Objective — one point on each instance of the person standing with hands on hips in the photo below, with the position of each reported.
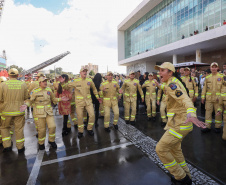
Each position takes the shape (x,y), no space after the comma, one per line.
(181,114)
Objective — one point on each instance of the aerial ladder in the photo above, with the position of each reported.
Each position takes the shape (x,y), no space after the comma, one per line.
(44,64)
(2,3)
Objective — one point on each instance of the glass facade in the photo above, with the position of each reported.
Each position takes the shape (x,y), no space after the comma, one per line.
(170,20)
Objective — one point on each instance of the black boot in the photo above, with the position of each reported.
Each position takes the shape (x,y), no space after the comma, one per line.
(163,124)
(153,118)
(64,133)
(76,127)
(41,147)
(107,129)
(90,132)
(149,118)
(116,127)
(36,135)
(53,144)
(185,181)
(8,149)
(217,130)
(132,122)
(68,130)
(205,130)
(21,150)
(127,121)
(80,135)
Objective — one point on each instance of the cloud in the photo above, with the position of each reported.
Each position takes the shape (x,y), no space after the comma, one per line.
(88,29)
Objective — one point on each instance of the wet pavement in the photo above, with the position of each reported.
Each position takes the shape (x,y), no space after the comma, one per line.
(123,157)
(205,152)
(106,158)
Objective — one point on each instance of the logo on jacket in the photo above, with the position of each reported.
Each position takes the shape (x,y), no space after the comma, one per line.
(172,86)
(178,93)
(114,85)
(88,83)
(48,92)
(135,84)
(153,84)
(219,79)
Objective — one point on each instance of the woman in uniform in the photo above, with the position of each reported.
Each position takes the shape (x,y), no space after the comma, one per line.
(181,114)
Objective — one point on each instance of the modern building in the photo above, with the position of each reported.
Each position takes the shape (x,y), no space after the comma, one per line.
(172,30)
(91,67)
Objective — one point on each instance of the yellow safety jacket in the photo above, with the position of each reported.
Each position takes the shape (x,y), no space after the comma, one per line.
(130,88)
(109,92)
(178,105)
(191,85)
(41,100)
(162,89)
(13,93)
(212,87)
(82,91)
(150,89)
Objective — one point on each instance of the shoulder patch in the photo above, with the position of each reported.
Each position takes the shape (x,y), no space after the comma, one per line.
(172,86)
(178,93)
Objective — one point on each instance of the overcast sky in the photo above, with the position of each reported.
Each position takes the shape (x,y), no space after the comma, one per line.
(33,31)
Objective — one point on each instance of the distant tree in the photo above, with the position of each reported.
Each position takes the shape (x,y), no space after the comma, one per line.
(20,69)
(91,73)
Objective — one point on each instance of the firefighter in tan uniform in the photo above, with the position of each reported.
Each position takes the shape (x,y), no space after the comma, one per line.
(129,88)
(181,113)
(222,106)
(35,84)
(13,93)
(41,98)
(108,91)
(211,94)
(163,103)
(150,98)
(191,84)
(83,100)
(2,79)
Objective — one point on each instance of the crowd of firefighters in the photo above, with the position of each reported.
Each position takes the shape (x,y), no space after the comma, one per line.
(76,97)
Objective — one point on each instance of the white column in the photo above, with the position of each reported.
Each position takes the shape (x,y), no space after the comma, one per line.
(198,55)
(174,59)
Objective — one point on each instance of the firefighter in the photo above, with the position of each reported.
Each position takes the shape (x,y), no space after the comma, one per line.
(108,91)
(181,113)
(211,94)
(129,88)
(161,92)
(41,98)
(83,100)
(222,106)
(150,97)
(3,79)
(191,84)
(13,93)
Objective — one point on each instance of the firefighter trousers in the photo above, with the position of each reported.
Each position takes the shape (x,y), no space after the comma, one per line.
(210,107)
(73,117)
(19,122)
(163,111)
(151,107)
(41,124)
(170,153)
(127,106)
(80,114)
(107,115)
